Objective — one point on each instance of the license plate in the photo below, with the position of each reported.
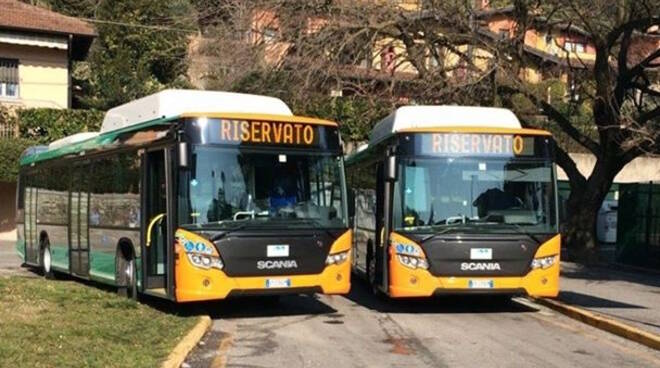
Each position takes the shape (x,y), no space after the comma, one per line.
(277,250)
(481,253)
(480,284)
(278,283)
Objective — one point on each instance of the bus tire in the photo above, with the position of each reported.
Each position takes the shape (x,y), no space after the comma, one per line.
(270,300)
(501,299)
(126,272)
(45,259)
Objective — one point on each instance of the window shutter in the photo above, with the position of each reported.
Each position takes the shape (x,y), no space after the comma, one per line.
(9,71)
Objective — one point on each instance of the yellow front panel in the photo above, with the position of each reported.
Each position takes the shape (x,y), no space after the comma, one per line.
(196,284)
(406,282)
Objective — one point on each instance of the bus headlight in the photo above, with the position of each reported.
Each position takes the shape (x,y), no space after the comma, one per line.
(337,258)
(543,263)
(413,262)
(410,255)
(205,261)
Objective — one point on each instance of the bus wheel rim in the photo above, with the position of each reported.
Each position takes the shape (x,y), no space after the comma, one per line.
(129,272)
(47,259)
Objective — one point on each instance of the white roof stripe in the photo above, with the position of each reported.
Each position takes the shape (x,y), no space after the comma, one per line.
(414,117)
(75,138)
(173,102)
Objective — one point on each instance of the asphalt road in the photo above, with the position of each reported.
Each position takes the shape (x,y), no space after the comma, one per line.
(10,263)
(361,330)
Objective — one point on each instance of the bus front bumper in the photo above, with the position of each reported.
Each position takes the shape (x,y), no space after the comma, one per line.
(405,282)
(213,284)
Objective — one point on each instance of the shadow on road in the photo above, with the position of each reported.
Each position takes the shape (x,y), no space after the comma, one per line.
(361,294)
(590,301)
(602,274)
(296,305)
(246,307)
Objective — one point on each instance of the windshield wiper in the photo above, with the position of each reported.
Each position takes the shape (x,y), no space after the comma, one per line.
(442,229)
(221,235)
(215,226)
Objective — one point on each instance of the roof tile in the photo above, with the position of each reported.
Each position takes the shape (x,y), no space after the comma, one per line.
(18,15)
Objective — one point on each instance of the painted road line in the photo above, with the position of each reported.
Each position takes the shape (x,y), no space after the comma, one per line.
(607,324)
(181,350)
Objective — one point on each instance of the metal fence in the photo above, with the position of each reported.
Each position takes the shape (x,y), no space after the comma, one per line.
(638,228)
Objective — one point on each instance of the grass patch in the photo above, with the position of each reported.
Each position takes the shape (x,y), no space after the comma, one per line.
(47,323)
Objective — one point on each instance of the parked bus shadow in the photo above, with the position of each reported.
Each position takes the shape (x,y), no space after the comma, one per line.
(362,295)
(245,307)
(590,301)
(237,307)
(603,274)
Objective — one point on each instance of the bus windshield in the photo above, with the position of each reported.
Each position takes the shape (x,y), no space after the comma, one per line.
(451,194)
(226,188)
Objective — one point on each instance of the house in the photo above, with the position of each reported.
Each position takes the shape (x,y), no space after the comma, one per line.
(559,51)
(37,47)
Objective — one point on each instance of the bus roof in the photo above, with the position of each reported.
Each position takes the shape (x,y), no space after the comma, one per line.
(172,102)
(432,118)
(166,107)
(410,118)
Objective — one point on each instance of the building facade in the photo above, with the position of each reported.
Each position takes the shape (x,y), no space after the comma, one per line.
(37,48)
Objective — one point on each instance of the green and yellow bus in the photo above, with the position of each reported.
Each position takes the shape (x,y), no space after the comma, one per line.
(452,199)
(190,196)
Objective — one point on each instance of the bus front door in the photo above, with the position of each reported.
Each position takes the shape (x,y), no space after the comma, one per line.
(157,235)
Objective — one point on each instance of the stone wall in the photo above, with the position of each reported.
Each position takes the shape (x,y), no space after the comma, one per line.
(640,170)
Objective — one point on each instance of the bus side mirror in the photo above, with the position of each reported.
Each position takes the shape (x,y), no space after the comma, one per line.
(183,155)
(390,169)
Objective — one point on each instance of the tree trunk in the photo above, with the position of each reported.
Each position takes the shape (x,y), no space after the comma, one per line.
(579,232)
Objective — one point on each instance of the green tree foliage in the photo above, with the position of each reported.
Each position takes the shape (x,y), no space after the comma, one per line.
(77,8)
(10,152)
(40,126)
(140,49)
(128,62)
(355,114)
(46,125)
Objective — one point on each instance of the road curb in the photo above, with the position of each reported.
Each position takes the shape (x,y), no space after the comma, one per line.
(601,322)
(181,350)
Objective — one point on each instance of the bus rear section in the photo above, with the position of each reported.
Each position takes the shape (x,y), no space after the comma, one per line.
(261,209)
(472,210)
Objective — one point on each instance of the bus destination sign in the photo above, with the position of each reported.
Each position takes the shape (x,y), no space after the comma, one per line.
(240,132)
(244,131)
(476,144)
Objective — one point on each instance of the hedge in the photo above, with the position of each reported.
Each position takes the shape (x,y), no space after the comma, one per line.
(10,152)
(40,126)
(46,125)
